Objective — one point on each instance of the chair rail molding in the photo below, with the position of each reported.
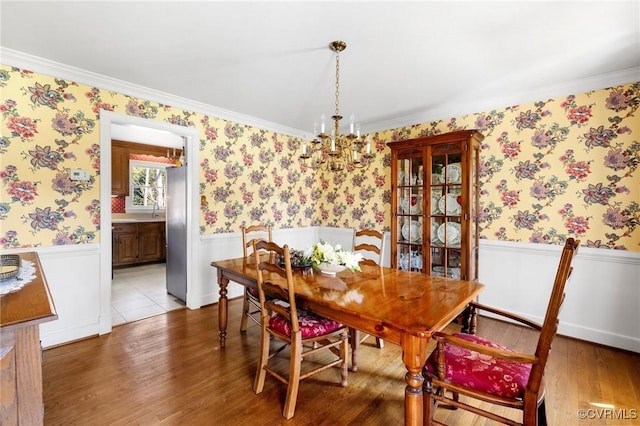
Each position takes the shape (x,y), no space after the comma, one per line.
(602,305)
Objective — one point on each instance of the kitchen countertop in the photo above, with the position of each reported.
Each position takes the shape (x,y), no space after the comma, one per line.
(157,219)
(136,218)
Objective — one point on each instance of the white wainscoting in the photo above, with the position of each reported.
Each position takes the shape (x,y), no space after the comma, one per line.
(73,276)
(602,303)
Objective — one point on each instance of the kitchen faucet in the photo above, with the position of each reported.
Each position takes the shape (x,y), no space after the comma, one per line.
(155,209)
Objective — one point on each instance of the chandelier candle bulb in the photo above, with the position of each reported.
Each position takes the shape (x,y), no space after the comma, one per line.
(352,121)
(322,123)
(304,148)
(368,144)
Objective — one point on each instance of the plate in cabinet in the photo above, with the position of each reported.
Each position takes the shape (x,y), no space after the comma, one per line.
(452,173)
(449,204)
(450,232)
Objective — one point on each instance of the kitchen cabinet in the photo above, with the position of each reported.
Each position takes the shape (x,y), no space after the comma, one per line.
(151,245)
(119,170)
(124,243)
(435,204)
(134,243)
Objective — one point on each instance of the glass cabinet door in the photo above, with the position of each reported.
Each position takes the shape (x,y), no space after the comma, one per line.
(445,230)
(409,217)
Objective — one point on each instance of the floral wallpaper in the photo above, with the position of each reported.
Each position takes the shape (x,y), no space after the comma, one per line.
(551,169)
(50,126)
(554,169)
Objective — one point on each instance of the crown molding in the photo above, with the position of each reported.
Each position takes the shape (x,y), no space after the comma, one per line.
(455,108)
(40,65)
(459,107)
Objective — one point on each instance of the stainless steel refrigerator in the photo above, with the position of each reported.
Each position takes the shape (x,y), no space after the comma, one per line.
(176,240)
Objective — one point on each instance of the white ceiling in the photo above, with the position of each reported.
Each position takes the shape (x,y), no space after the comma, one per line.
(406,62)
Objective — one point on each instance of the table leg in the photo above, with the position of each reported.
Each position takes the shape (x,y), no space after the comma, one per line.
(469,322)
(414,355)
(222,307)
(355,342)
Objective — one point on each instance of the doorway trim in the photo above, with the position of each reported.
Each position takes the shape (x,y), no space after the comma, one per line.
(190,137)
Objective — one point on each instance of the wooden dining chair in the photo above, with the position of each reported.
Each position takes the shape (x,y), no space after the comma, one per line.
(369,243)
(483,370)
(302,331)
(251,302)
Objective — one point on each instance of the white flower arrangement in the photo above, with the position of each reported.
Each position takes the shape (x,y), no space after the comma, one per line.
(326,253)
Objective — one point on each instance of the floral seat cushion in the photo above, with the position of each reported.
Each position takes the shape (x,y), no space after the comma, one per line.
(311,325)
(253,292)
(482,372)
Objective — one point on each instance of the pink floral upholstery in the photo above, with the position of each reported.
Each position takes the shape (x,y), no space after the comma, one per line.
(254,293)
(482,372)
(311,325)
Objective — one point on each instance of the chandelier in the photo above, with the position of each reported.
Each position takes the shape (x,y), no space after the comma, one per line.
(333,151)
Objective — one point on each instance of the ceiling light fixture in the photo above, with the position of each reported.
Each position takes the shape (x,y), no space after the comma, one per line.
(333,151)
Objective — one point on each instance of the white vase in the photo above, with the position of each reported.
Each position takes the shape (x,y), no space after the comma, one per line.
(328,269)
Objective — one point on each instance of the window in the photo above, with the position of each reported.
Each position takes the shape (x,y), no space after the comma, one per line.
(148,185)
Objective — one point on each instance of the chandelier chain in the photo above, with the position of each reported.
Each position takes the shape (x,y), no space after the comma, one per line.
(337,83)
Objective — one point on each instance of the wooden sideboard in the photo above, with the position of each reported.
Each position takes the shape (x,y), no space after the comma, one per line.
(21,313)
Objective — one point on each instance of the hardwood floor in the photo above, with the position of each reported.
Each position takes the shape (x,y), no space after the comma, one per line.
(170,369)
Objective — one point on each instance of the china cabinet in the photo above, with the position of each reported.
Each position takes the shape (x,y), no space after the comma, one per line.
(435,204)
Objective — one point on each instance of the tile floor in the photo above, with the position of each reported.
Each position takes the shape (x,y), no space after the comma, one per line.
(140,292)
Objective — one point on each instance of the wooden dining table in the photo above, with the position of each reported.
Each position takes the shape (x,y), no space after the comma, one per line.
(401,307)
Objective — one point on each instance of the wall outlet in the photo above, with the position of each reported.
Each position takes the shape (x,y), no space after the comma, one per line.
(77,174)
